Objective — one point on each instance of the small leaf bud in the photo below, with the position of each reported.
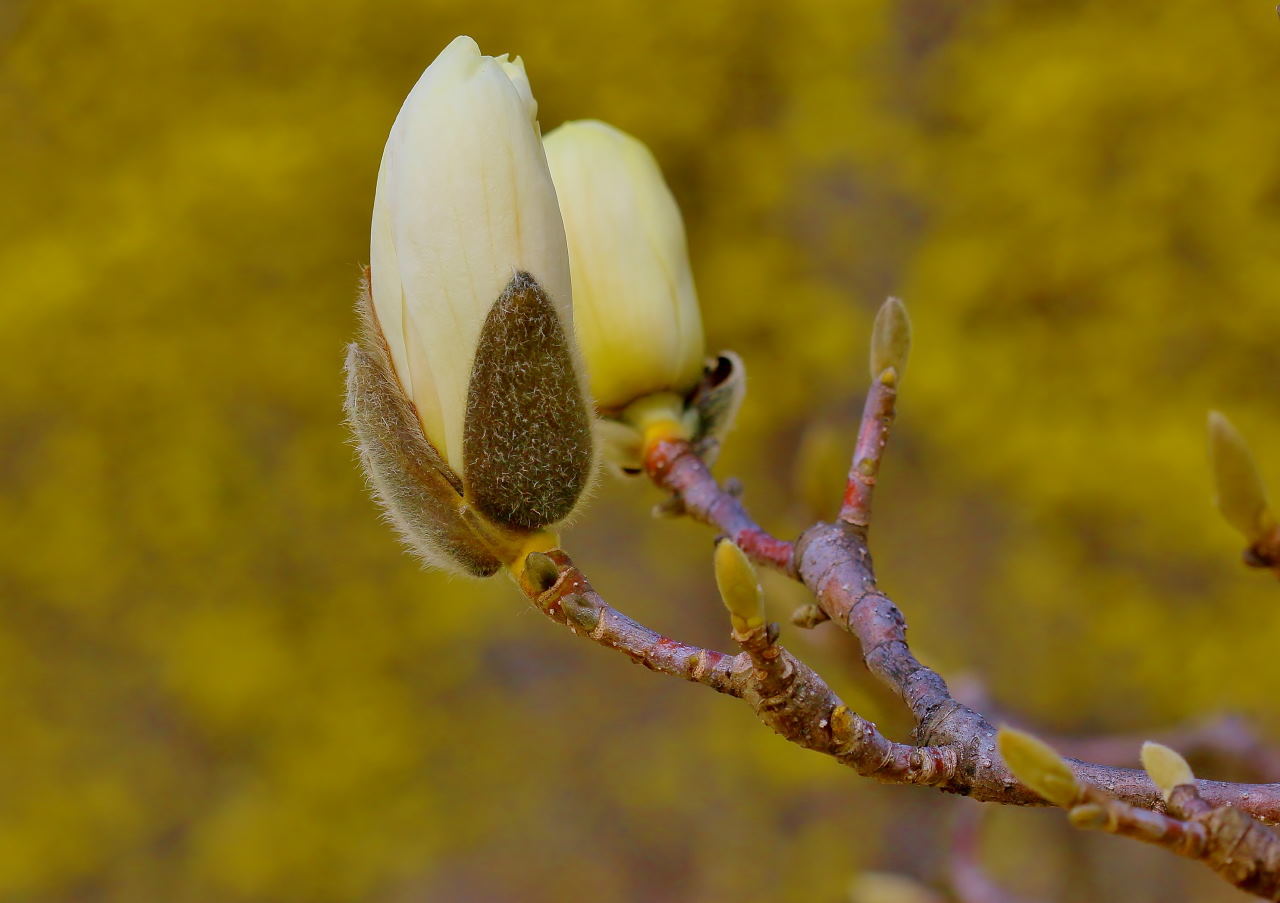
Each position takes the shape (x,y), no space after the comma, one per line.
(1034,763)
(739,587)
(1240,494)
(890,342)
(1166,767)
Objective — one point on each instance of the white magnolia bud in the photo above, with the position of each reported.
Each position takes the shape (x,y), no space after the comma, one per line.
(635,307)
(465,391)
(464,202)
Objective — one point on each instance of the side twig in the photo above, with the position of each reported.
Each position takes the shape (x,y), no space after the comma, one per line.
(675,466)
(958,749)
(1244,852)
(833,561)
(873,436)
(786,694)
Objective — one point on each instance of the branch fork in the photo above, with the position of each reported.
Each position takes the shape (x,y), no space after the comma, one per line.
(957,749)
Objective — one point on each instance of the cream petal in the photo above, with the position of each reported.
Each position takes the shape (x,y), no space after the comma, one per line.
(519,78)
(635,305)
(465,200)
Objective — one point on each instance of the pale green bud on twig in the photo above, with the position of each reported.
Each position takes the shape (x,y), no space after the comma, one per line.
(1166,767)
(1034,763)
(1240,494)
(739,587)
(465,390)
(890,342)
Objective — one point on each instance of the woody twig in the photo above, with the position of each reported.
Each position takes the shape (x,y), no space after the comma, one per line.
(833,561)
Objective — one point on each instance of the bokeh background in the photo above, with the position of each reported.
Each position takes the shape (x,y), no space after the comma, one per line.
(221,681)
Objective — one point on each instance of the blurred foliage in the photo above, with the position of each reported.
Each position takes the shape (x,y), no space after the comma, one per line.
(220,679)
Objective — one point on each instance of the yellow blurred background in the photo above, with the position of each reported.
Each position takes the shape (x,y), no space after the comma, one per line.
(221,680)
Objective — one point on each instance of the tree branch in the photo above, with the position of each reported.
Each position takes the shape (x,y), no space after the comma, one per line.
(956,747)
(675,466)
(1224,739)
(785,693)
(873,436)
(833,561)
(1244,852)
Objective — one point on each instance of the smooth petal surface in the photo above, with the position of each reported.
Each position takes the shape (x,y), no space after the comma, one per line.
(464,202)
(635,306)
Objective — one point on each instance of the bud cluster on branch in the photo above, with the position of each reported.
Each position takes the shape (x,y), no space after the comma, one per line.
(527,302)
(529,313)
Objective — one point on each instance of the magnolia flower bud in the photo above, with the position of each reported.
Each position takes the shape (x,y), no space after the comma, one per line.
(634,302)
(635,307)
(465,390)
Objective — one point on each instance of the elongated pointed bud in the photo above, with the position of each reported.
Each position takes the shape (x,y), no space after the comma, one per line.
(635,305)
(739,587)
(1034,763)
(465,389)
(890,342)
(1240,494)
(1166,768)
(634,300)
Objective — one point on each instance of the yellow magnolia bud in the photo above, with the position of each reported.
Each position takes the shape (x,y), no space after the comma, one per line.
(1166,768)
(1240,494)
(739,587)
(634,302)
(468,335)
(1034,763)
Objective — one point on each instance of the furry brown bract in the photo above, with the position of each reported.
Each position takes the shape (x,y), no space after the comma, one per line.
(421,496)
(527,435)
(528,446)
